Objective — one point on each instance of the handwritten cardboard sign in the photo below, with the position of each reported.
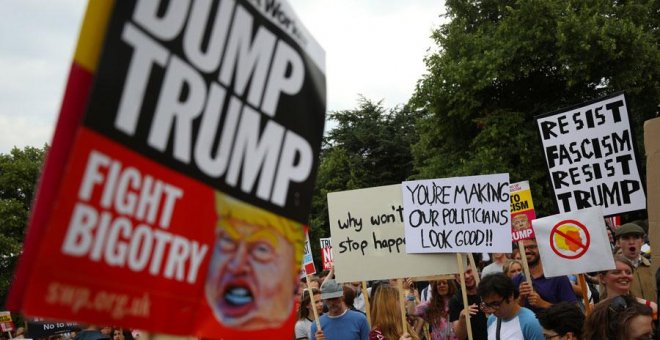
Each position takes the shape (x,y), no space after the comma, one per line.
(460,214)
(368,238)
(590,153)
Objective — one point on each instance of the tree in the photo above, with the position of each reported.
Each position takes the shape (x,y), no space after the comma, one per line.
(501,63)
(370,146)
(19,171)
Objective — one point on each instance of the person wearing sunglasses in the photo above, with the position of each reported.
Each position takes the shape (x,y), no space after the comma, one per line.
(619,318)
(507,320)
(563,321)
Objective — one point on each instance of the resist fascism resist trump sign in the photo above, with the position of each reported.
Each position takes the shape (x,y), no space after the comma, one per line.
(180,177)
(591,158)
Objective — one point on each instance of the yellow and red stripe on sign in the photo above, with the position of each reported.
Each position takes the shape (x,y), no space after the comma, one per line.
(79,83)
(521,201)
(92,32)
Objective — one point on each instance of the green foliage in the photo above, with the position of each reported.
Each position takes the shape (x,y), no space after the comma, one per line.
(503,62)
(369,147)
(19,171)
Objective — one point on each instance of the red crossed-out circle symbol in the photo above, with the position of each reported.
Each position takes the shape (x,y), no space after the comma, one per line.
(582,243)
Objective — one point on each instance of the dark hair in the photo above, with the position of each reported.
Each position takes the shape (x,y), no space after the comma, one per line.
(610,319)
(303,312)
(562,318)
(437,304)
(349,296)
(499,284)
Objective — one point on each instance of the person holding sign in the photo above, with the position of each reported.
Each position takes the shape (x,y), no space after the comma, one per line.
(339,323)
(306,314)
(254,266)
(458,313)
(507,319)
(629,238)
(545,291)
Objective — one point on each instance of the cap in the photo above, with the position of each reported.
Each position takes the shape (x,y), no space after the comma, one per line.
(331,289)
(629,228)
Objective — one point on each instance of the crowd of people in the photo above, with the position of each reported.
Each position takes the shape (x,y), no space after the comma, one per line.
(80,332)
(502,302)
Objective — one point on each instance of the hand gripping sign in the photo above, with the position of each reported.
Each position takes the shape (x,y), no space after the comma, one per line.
(181,171)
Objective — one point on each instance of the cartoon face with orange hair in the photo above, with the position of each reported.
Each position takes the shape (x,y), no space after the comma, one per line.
(253,270)
(520,222)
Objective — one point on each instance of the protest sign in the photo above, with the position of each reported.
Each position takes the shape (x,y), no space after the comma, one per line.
(590,153)
(573,242)
(184,156)
(326,253)
(6,323)
(44,329)
(369,244)
(308,260)
(460,214)
(522,212)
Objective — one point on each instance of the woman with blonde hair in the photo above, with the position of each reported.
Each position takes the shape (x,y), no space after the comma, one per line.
(386,321)
(512,267)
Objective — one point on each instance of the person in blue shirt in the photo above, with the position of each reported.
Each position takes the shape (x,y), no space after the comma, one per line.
(507,319)
(544,292)
(339,323)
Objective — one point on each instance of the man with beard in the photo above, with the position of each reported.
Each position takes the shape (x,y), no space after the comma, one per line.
(339,323)
(629,238)
(254,266)
(458,313)
(544,291)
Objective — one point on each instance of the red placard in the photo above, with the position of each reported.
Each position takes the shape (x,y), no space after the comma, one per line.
(181,172)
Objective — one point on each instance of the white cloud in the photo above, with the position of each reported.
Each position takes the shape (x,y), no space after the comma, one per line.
(373,47)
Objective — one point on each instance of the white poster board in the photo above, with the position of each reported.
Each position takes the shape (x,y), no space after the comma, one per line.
(589,151)
(459,214)
(368,238)
(573,242)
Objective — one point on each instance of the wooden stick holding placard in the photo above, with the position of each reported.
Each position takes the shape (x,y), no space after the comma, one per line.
(402,304)
(523,259)
(461,272)
(367,307)
(313,303)
(474,269)
(585,293)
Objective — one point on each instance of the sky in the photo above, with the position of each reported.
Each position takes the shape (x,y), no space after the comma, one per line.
(374,48)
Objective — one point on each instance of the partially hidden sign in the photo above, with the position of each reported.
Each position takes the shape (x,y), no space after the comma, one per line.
(308,261)
(590,153)
(368,238)
(459,214)
(522,212)
(181,172)
(573,242)
(326,253)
